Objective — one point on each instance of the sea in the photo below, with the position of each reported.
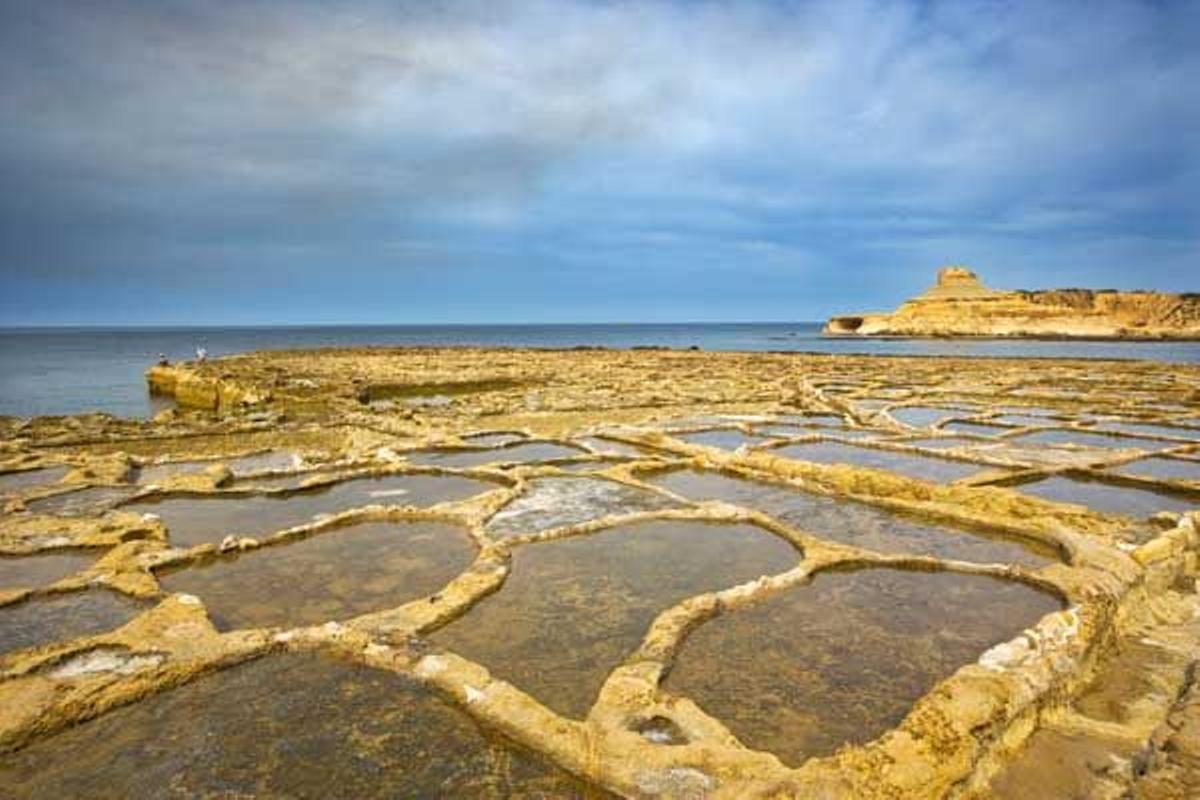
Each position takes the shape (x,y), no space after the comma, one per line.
(47,371)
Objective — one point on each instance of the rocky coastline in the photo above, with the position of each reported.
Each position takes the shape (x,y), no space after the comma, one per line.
(988,477)
(959,305)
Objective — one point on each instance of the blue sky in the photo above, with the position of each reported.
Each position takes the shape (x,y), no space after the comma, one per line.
(172,162)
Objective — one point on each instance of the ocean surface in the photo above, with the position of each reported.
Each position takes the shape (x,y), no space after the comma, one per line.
(74,370)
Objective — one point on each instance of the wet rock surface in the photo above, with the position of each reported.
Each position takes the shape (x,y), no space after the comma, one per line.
(288,725)
(974,428)
(922,417)
(1089,439)
(117,660)
(193,520)
(288,480)
(499,439)
(785,677)
(726,440)
(1174,770)
(609,447)
(572,610)
(608,587)
(1109,498)
(15,482)
(1072,766)
(1026,419)
(1135,428)
(332,575)
(518,454)
(40,569)
(556,502)
(854,523)
(939,442)
(82,502)
(1174,469)
(920,467)
(270,461)
(57,618)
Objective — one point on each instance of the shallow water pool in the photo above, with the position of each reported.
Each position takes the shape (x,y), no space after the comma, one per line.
(330,576)
(572,610)
(199,519)
(842,659)
(288,725)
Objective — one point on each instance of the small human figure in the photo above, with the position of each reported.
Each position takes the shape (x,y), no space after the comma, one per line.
(201,354)
(162,360)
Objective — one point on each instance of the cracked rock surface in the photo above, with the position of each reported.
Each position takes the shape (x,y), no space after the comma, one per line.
(531,573)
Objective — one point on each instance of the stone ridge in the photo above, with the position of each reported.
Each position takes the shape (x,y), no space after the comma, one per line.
(960,305)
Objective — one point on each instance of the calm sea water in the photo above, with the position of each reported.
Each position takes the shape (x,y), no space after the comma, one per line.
(72,370)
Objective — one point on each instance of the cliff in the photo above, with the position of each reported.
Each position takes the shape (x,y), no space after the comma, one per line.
(960,305)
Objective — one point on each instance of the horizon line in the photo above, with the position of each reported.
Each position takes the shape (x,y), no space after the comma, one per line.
(268,325)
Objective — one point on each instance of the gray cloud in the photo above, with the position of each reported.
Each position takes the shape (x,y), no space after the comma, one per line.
(159,137)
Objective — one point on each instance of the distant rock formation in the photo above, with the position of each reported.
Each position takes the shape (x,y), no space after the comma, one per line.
(960,305)
(957,282)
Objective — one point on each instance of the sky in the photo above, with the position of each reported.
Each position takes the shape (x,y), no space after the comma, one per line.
(268,162)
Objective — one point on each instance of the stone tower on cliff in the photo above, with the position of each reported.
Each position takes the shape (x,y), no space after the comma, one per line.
(957,281)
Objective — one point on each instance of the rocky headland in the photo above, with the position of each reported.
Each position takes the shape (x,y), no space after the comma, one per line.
(960,305)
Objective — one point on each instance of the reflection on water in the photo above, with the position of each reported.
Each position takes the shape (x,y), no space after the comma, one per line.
(1108,498)
(516,454)
(842,659)
(57,618)
(196,520)
(977,428)
(554,502)
(287,480)
(290,725)
(269,461)
(155,473)
(28,572)
(846,433)
(808,420)
(14,482)
(592,466)
(786,431)
(940,442)
(1163,468)
(723,439)
(1088,439)
(572,610)
(853,523)
(333,575)
(82,502)
(1026,419)
(493,439)
(1191,434)
(610,447)
(921,416)
(927,469)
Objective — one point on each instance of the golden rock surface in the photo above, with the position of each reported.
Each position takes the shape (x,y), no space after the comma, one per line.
(960,305)
(995,725)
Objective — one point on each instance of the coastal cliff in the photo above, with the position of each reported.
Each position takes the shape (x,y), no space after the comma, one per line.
(960,305)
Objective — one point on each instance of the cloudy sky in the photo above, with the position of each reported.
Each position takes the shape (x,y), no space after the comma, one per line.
(266,162)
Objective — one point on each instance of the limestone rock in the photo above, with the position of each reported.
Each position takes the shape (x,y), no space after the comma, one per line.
(960,305)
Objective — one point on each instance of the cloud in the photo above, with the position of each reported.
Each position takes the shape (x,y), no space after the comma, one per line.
(155,141)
